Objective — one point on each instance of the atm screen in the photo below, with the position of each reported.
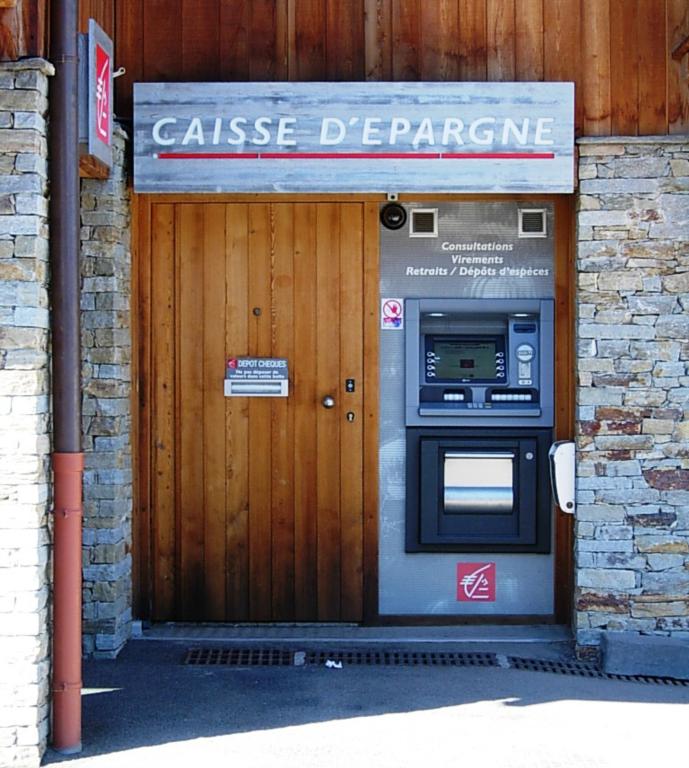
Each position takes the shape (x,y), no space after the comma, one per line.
(463,358)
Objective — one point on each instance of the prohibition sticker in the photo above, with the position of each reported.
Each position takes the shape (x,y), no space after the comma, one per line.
(392,314)
(476,582)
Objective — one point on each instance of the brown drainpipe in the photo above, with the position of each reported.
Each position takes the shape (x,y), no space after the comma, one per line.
(68,460)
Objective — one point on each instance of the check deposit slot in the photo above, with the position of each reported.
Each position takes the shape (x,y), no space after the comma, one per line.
(473,362)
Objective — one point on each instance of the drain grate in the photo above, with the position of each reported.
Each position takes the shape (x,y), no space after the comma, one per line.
(239,657)
(578,669)
(572,668)
(403,658)
(277,657)
(259,657)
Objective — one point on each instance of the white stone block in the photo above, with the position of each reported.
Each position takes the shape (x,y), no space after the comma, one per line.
(600,578)
(32,317)
(21,225)
(602,218)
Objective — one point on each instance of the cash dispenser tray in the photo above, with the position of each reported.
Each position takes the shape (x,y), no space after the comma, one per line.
(481,491)
(478,482)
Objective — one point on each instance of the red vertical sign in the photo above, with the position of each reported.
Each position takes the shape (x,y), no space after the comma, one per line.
(476,582)
(103,103)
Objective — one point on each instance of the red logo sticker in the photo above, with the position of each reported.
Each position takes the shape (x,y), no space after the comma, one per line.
(102,95)
(476,582)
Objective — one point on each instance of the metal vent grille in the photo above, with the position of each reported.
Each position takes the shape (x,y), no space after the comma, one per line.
(276,657)
(424,222)
(577,669)
(239,657)
(532,222)
(403,658)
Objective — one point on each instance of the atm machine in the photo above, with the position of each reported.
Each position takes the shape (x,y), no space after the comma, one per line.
(479,418)
(467,410)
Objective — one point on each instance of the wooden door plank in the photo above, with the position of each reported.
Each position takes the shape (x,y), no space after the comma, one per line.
(130,50)
(282,481)
(266,49)
(309,46)
(500,39)
(260,437)
(142,552)
(84,12)
(162,39)
(378,39)
(345,36)
(200,40)
(439,54)
(190,433)
(406,40)
(213,313)
(237,413)
(624,67)
(305,399)
(351,441)
(595,94)
(328,420)
(562,46)
(678,100)
(473,59)
(371,285)
(234,39)
(102,11)
(651,31)
(163,397)
(529,64)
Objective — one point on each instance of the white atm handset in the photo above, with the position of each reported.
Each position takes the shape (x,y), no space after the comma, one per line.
(563,474)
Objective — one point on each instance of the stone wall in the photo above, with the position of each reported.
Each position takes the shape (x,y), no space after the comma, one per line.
(106,356)
(632,526)
(24,413)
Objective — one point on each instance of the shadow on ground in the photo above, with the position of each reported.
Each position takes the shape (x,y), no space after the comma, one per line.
(147,697)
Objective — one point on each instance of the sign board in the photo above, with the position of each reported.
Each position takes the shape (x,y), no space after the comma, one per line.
(95,95)
(476,582)
(479,253)
(256,377)
(392,314)
(354,137)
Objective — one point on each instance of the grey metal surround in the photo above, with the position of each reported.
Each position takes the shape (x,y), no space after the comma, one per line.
(480,240)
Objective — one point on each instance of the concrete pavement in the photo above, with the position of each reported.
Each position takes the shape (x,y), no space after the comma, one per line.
(147,709)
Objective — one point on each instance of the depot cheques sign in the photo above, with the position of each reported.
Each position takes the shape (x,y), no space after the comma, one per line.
(353,137)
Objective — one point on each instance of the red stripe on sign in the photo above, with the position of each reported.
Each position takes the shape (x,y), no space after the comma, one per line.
(208,156)
(356,155)
(498,155)
(351,155)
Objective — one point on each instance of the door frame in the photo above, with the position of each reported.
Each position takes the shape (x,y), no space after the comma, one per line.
(141,385)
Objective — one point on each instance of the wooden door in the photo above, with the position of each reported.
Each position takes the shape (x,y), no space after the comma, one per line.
(255,507)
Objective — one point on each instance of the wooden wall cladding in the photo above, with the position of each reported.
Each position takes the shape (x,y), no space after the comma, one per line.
(617,51)
(22,29)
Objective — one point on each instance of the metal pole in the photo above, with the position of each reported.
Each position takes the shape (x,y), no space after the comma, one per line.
(68,459)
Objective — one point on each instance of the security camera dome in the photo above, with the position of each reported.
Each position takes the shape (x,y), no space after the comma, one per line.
(393,216)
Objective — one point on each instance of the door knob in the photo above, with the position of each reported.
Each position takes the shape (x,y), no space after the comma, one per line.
(328,401)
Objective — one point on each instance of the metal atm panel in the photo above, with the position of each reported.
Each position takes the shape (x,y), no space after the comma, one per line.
(478,490)
(472,362)
(420,579)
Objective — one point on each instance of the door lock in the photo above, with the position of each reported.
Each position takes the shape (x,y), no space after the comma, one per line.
(328,401)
